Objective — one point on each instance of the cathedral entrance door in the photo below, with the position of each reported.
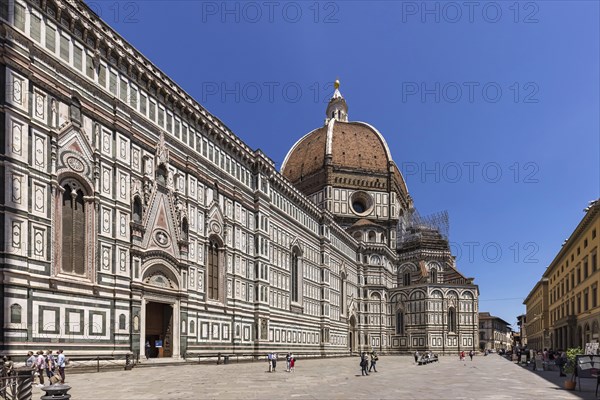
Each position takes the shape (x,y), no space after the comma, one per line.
(352,334)
(159,330)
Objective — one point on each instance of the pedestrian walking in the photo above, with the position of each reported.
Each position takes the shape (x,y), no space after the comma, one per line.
(270,359)
(50,365)
(274,361)
(364,364)
(562,361)
(292,363)
(416,357)
(31,359)
(471,354)
(41,367)
(462,355)
(147,349)
(374,359)
(61,362)
(288,362)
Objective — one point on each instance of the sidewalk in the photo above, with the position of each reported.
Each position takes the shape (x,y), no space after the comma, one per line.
(585,391)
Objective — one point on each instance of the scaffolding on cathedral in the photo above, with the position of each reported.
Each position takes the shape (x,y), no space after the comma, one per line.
(413,227)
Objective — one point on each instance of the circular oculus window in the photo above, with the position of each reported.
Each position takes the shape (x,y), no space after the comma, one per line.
(361,203)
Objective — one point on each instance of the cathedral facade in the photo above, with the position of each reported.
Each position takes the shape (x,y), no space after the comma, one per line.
(134,220)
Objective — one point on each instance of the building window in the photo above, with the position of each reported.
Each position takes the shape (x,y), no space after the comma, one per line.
(406,279)
(161,175)
(294,277)
(594,262)
(451,320)
(594,296)
(185,229)
(137,209)
(122,321)
(15,314)
(73,230)
(192,327)
(433,275)
(400,323)
(213,270)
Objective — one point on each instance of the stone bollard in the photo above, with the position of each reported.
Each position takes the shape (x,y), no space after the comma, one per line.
(24,383)
(56,392)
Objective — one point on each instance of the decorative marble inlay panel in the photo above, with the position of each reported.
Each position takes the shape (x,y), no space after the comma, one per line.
(39,151)
(192,214)
(39,198)
(123,186)
(192,247)
(123,148)
(122,259)
(17,138)
(19,89)
(200,228)
(16,234)
(39,242)
(192,187)
(39,105)
(106,141)
(106,221)
(106,257)
(16,188)
(201,281)
(135,159)
(106,180)
(123,225)
(201,194)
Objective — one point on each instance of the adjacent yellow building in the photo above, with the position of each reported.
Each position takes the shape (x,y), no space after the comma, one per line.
(537,322)
(572,284)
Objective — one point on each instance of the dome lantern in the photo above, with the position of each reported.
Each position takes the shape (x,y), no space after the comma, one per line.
(337,108)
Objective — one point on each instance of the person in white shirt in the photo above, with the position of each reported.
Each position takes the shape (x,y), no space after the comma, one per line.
(41,366)
(60,363)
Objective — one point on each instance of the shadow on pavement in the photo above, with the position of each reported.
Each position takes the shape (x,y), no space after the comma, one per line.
(585,391)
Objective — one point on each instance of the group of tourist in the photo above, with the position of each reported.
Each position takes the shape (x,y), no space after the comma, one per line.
(462,355)
(47,364)
(290,360)
(368,360)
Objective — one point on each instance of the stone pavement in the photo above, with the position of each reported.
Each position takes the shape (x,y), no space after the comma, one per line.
(491,377)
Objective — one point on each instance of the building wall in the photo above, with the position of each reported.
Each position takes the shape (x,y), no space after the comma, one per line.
(573,279)
(85,114)
(538,324)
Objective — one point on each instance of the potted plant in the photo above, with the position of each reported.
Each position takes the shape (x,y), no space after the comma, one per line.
(570,367)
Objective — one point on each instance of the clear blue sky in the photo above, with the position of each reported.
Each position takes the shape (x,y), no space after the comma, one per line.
(501,100)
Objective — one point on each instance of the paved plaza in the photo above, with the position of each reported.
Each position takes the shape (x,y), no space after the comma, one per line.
(491,377)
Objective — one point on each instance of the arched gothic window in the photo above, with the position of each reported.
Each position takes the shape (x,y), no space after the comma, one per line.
(137,209)
(294,277)
(406,279)
(372,236)
(192,327)
(184,229)
(213,270)
(451,320)
(15,314)
(400,323)
(161,175)
(73,229)
(122,322)
(433,275)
